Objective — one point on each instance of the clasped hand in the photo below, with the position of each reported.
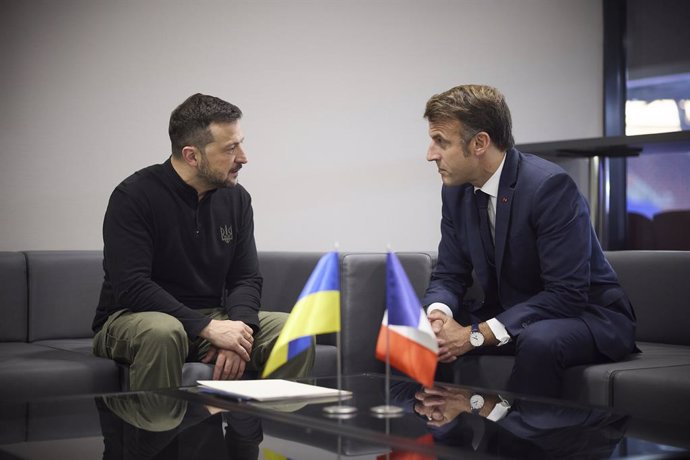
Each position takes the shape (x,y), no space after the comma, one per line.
(453,339)
(230,335)
(231,346)
(229,365)
(440,404)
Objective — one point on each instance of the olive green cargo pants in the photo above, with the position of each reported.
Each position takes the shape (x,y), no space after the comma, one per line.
(155,346)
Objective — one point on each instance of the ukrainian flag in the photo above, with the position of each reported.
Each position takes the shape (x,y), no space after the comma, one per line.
(317,311)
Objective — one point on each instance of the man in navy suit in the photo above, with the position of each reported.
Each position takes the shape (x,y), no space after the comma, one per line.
(520,223)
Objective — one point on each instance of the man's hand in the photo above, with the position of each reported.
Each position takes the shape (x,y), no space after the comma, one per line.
(441,404)
(229,365)
(453,339)
(230,335)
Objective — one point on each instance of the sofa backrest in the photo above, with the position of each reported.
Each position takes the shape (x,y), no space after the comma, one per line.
(13,304)
(63,293)
(64,287)
(363,290)
(285,274)
(658,285)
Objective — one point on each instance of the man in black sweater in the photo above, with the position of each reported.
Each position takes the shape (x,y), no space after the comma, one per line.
(182,280)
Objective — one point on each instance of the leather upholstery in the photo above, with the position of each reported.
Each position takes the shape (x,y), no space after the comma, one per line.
(45,336)
(13,297)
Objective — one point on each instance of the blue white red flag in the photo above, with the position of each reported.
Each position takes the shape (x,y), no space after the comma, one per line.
(406,329)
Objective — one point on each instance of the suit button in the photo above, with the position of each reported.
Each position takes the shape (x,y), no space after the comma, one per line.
(525,324)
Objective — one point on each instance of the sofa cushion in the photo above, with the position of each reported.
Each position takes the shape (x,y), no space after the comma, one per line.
(13,297)
(661,393)
(657,284)
(63,293)
(594,384)
(28,371)
(13,422)
(363,284)
(83,346)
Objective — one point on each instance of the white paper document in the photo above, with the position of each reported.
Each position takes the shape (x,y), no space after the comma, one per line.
(270,390)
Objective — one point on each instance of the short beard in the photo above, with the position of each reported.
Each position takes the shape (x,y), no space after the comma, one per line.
(211,177)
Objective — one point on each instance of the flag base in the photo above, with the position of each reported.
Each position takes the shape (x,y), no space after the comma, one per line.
(386,411)
(340,411)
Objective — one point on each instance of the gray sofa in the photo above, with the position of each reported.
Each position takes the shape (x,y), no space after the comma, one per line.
(654,384)
(48,299)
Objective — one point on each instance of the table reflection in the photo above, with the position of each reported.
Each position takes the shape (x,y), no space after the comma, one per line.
(155,426)
(489,423)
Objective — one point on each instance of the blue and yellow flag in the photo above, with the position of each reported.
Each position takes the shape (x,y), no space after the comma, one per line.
(317,311)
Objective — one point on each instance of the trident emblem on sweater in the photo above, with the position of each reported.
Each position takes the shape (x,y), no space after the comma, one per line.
(226,234)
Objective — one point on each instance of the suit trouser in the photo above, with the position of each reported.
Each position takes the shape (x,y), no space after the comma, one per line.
(543,350)
(155,346)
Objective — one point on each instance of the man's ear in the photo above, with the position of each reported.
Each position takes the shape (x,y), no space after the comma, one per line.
(482,141)
(190,155)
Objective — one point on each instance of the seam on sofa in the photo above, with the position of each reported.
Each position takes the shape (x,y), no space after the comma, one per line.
(28,293)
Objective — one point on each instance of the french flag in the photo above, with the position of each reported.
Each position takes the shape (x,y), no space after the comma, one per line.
(405,327)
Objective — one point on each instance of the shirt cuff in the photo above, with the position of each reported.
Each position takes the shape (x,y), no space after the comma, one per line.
(498,329)
(499,411)
(440,306)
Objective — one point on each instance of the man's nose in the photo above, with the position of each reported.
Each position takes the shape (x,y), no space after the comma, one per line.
(241,155)
(432,154)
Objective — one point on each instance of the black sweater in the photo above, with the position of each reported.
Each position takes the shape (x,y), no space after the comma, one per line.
(166,251)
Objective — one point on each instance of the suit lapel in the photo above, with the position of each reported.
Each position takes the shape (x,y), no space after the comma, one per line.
(504,203)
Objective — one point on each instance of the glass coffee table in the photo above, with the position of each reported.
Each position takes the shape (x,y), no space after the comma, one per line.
(448,421)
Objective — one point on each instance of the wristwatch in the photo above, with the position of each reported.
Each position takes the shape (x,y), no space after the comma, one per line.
(476,403)
(476,337)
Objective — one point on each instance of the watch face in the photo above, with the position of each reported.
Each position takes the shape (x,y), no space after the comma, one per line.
(476,339)
(476,402)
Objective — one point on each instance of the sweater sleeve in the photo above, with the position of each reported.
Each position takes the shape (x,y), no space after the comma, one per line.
(128,235)
(244,281)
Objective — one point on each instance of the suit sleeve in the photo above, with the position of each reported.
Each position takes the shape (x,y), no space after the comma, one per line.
(128,237)
(244,281)
(560,220)
(453,272)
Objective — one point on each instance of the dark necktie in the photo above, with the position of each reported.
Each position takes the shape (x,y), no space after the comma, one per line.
(485,227)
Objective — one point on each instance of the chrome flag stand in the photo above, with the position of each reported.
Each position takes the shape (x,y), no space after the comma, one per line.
(416,349)
(340,410)
(387,410)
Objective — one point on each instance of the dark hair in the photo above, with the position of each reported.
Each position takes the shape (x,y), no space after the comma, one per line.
(477,108)
(190,121)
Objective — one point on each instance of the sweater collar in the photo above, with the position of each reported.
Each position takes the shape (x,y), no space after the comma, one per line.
(183,189)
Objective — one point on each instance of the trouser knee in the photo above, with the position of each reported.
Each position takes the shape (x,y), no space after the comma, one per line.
(163,335)
(158,346)
(537,343)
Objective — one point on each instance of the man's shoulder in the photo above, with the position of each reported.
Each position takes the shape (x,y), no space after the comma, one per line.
(140,187)
(539,165)
(143,176)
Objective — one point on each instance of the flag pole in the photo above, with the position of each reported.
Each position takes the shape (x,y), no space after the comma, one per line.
(386,410)
(339,411)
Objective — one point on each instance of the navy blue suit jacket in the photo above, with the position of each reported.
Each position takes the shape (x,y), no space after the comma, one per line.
(549,263)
